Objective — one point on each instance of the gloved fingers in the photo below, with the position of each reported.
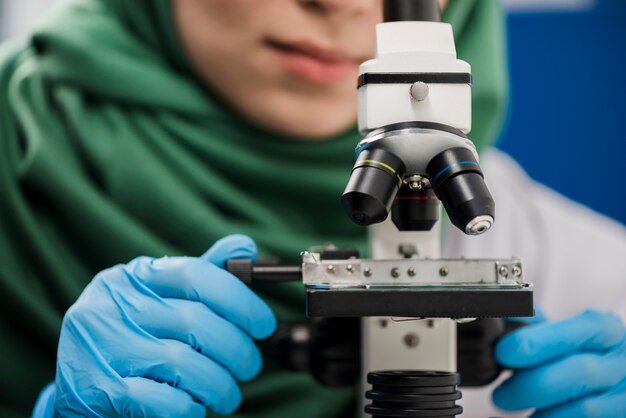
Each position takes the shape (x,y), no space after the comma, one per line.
(147,398)
(232,246)
(44,405)
(606,405)
(182,367)
(538,344)
(195,324)
(199,280)
(563,380)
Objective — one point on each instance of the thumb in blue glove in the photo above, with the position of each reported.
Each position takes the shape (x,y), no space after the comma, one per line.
(570,368)
(167,337)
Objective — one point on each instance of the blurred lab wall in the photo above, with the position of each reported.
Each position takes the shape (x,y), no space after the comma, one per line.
(568,92)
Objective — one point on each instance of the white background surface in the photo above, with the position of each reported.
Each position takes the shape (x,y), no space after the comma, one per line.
(18,16)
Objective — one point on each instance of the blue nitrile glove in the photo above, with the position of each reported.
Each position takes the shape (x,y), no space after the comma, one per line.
(574,368)
(162,337)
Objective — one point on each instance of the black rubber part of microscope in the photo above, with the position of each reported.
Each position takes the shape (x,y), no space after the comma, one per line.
(415,210)
(476,341)
(290,346)
(411,10)
(408,393)
(374,182)
(410,78)
(328,348)
(458,182)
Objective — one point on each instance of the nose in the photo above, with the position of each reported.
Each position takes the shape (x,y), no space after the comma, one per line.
(341,7)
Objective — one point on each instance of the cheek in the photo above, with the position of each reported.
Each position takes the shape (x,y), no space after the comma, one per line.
(223,40)
(225,13)
(210,22)
(220,35)
(226,20)
(208,32)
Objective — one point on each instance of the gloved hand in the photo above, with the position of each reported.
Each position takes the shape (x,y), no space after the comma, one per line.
(162,337)
(574,368)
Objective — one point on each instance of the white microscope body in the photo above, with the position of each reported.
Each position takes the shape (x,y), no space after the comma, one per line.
(411,47)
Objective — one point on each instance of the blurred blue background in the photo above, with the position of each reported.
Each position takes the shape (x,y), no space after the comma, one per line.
(568,72)
(567,60)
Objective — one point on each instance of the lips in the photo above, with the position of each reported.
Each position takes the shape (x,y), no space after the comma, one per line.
(314,62)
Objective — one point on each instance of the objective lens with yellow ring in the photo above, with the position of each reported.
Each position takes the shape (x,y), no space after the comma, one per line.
(374,182)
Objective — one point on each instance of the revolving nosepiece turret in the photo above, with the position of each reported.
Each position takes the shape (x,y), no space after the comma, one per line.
(446,163)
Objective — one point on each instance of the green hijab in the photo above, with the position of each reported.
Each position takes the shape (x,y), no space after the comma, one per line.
(110,149)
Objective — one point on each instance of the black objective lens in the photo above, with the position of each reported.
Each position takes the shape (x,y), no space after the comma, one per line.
(374,182)
(458,182)
(415,210)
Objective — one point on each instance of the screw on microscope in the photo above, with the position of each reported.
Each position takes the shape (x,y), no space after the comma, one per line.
(411,271)
(503,271)
(367,272)
(330,268)
(443,272)
(395,272)
(411,340)
(516,270)
(415,182)
(350,268)
(419,91)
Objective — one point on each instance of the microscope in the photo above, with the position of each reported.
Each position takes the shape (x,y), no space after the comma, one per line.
(391,321)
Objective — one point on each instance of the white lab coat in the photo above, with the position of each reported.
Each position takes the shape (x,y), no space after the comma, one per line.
(575,257)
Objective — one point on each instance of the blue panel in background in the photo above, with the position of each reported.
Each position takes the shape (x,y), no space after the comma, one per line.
(568,117)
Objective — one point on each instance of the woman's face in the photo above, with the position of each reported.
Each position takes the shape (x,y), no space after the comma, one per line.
(287,65)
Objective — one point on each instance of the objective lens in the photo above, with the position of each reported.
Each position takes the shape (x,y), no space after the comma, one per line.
(415,210)
(359,218)
(458,182)
(374,182)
